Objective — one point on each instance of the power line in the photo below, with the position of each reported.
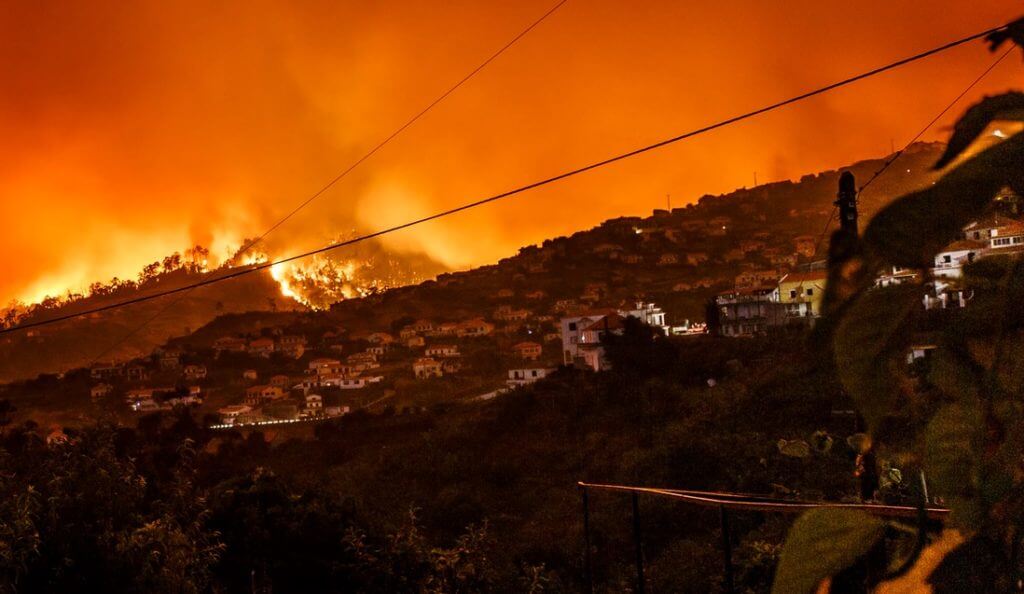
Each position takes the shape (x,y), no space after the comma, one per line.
(521,189)
(251,244)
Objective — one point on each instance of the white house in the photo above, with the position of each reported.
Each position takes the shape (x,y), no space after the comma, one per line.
(522,377)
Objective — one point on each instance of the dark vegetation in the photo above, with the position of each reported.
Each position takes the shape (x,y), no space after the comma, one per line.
(471,498)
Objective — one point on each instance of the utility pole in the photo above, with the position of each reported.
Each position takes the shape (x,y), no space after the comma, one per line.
(668,201)
(755,179)
(846,200)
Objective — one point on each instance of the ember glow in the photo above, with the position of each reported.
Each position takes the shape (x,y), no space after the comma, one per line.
(135,130)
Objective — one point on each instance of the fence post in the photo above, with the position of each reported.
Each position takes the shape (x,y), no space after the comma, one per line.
(727,550)
(638,544)
(588,569)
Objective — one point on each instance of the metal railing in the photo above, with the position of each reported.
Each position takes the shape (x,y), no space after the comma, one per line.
(726,502)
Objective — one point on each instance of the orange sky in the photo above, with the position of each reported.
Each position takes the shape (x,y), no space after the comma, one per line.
(129,130)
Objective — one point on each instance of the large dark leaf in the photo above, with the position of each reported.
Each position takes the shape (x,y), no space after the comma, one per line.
(978,565)
(1012,32)
(870,343)
(911,230)
(821,543)
(1008,106)
(952,446)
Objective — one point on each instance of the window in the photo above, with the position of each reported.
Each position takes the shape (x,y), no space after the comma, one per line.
(947,258)
(572,326)
(810,292)
(792,294)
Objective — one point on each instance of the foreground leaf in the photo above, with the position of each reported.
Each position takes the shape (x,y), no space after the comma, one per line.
(1008,106)
(869,344)
(951,442)
(821,543)
(911,230)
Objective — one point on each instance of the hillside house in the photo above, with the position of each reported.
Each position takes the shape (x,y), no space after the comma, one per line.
(106,371)
(292,345)
(426,368)
(505,294)
(442,351)
(950,261)
(261,347)
(451,366)
(354,383)
(564,305)
(170,360)
(323,365)
(802,293)
(805,245)
(696,258)
(647,312)
(523,377)
(571,333)
(280,381)
(379,338)
(445,329)
(734,255)
(423,326)
(231,413)
(314,404)
(751,245)
(101,390)
(756,278)
(137,372)
(474,328)
(632,258)
(1007,235)
(988,227)
(535,295)
(378,350)
(256,395)
(529,351)
(591,350)
(506,313)
(250,375)
(749,312)
(194,372)
(668,259)
(407,333)
(552,337)
(232,344)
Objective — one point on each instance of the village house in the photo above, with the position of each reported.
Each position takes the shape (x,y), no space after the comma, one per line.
(734,255)
(647,312)
(950,261)
(230,414)
(989,226)
(523,377)
(106,371)
(256,395)
(802,293)
(474,328)
(806,245)
(668,259)
(292,345)
(423,326)
(445,329)
(323,365)
(696,258)
(101,390)
(407,333)
(356,383)
(336,411)
(535,295)
(505,294)
(280,381)
(194,372)
(229,343)
(250,375)
(313,404)
(564,305)
(137,372)
(442,351)
(751,245)
(415,341)
(170,360)
(529,351)
(681,286)
(450,366)
(261,347)
(426,368)
(552,336)
(379,338)
(378,350)
(756,278)
(749,312)
(632,258)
